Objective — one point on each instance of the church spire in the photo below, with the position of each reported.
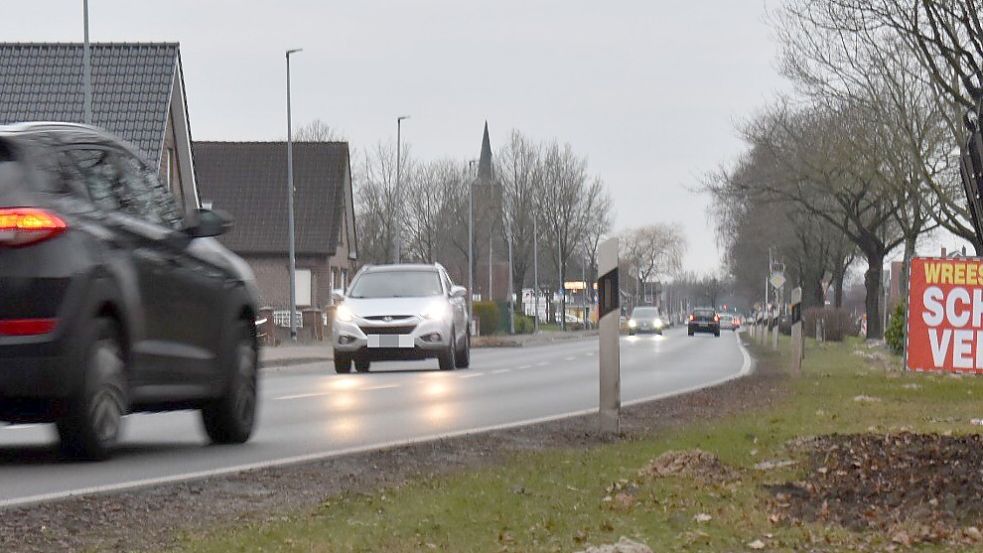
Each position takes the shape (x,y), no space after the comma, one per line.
(486,173)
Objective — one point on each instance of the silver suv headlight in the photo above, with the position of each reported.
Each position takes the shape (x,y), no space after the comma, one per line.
(344,314)
(437,311)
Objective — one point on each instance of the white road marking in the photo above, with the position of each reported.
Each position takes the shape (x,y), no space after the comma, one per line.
(21,426)
(542,364)
(472,375)
(589,354)
(525,367)
(501,371)
(571,358)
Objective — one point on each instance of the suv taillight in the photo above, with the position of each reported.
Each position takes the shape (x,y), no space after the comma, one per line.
(22,226)
(692,317)
(716,318)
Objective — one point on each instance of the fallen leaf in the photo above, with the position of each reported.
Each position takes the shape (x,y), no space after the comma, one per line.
(756,544)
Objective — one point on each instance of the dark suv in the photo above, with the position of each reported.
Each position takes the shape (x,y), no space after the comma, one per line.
(704,319)
(112,301)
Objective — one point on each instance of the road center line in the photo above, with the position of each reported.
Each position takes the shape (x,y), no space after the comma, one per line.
(472,375)
(571,358)
(501,371)
(526,367)
(542,364)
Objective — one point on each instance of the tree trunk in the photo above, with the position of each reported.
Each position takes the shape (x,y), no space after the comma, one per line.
(909,252)
(563,297)
(839,274)
(872,282)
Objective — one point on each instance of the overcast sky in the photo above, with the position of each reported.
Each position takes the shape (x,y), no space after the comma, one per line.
(648,90)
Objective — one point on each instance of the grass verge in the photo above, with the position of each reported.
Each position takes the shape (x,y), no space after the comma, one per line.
(564,500)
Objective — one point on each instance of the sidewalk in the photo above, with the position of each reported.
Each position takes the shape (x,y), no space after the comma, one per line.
(286,355)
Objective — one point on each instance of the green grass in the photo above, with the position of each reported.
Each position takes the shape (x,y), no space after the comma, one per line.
(554,500)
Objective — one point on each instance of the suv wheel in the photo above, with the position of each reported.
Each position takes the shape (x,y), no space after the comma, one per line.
(342,363)
(91,428)
(463,356)
(362,366)
(448,357)
(230,419)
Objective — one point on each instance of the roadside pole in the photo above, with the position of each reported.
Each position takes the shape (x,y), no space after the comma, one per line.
(608,312)
(774,335)
(797,344)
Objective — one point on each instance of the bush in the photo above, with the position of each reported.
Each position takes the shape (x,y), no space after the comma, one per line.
(524,324)
(489,316)
(836,323)
(894,335)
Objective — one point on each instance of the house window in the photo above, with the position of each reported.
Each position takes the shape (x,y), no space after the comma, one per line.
(303,284)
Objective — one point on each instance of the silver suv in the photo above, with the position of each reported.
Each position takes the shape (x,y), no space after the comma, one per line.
(401,312)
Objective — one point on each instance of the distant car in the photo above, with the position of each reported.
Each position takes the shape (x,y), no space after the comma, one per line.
(645,319)
(704,319)
(112,300)
(401,312)
(729,322)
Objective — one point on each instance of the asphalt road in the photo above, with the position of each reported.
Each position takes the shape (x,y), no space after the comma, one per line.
(308,412)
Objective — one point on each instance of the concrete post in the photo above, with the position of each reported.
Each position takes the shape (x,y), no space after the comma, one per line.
(797,338)
(609,311)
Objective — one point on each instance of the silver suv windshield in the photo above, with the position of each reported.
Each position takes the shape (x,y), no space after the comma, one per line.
(645,312)
(396,284)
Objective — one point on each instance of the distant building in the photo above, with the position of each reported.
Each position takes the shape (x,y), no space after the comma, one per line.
(249,181)
(491,269)
(137,93)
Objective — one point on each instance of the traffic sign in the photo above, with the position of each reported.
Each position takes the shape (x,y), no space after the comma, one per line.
(777,279)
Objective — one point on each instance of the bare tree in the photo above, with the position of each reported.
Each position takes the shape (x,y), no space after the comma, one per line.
(518,166)
(317,131)
(379,203)
(652,251)
(562,206)
(823,160)
(596,228)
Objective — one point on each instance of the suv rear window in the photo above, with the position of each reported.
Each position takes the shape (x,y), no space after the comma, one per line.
(704,312)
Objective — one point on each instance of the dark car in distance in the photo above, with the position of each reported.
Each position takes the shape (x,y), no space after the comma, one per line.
(111,300)
(704,319)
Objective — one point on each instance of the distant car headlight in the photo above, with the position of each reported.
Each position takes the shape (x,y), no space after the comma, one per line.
(344,314)
(632,323)
(658,323)
(438,311)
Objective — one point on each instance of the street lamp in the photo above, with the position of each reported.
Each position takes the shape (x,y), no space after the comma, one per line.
(399,191)
(290,209)
(86,66)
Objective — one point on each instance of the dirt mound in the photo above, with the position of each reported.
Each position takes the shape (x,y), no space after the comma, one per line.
(694,463)
(896,483)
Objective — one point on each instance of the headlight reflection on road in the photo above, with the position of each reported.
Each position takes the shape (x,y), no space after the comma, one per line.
(342,428)
(438,414)
(342,401)
(344,383)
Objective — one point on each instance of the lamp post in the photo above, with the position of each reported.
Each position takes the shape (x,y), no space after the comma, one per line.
(399,191)
(290,209)
(470,238)
(535,272)
(86,65)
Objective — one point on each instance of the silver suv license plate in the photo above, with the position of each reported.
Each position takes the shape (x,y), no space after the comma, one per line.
(390,341)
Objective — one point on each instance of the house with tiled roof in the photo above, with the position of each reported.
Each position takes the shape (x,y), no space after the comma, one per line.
(137,93)
(249,181)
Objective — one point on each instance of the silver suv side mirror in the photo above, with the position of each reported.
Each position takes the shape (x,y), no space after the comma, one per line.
(459,292)
(338,295)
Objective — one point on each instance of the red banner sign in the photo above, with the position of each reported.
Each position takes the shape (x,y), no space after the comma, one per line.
(945,315)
